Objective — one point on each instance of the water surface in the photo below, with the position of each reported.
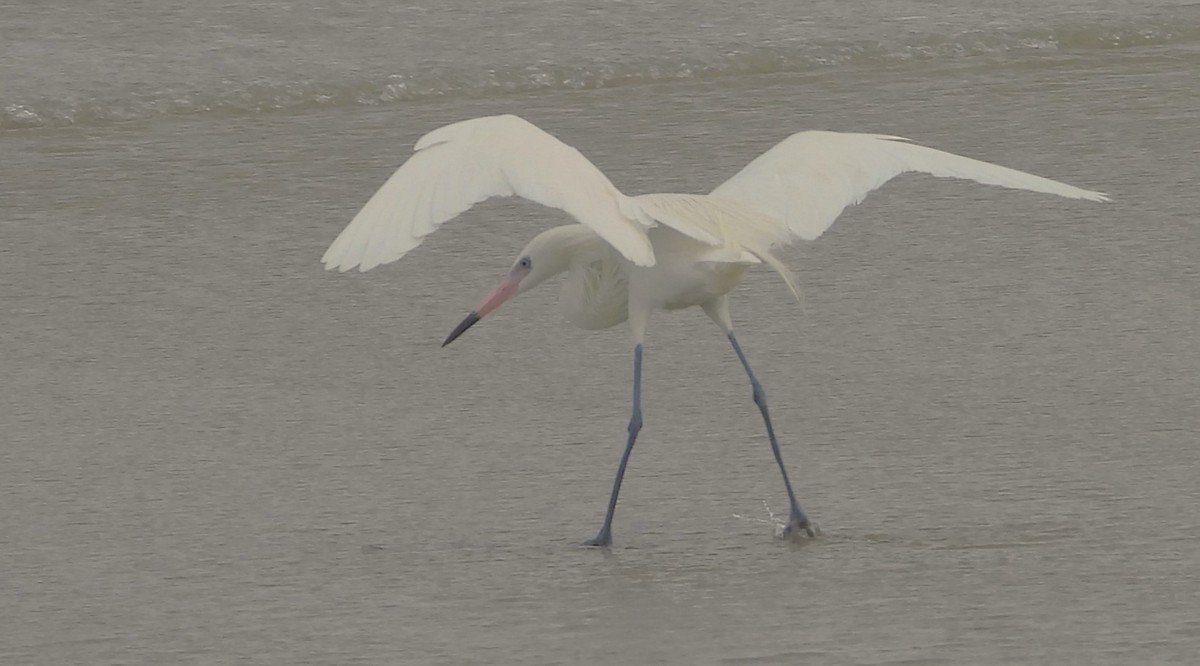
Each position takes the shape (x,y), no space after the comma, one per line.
(212,451)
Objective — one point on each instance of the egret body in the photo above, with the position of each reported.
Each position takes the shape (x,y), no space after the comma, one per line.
(630,256)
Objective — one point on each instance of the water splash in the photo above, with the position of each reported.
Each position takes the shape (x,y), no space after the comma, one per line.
(778,524)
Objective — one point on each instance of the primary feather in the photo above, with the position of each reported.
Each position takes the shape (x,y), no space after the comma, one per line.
(459,165)
(809,178)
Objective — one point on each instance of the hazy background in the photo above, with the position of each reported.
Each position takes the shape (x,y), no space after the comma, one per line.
(212,451)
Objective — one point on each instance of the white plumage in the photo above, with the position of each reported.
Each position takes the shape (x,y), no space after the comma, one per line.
(630,256)
(794,190)
(459,165)
(809,178)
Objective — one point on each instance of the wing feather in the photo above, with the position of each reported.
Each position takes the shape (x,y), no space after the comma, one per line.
(808,179)
(456,166)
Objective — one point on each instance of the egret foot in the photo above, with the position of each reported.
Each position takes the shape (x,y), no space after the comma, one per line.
(798,524)
(603,539)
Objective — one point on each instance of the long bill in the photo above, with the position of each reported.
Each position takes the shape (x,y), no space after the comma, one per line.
(504,291)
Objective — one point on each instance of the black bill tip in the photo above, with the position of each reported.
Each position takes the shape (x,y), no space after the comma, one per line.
(462,327)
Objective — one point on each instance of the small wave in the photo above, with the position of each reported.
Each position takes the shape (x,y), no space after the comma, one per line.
(273,96)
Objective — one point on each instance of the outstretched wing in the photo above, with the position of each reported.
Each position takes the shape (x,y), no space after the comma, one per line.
(456,166)
(806,180)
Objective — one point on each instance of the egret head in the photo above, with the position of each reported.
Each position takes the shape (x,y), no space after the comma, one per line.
(544,257)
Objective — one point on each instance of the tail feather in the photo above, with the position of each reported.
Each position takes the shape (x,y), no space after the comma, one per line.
(786,273)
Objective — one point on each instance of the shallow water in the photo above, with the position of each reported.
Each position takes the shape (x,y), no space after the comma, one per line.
(213,451)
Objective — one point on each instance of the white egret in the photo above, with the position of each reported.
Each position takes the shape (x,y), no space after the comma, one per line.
(630,256)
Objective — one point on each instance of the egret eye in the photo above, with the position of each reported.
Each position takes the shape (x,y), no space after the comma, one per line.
(525,262)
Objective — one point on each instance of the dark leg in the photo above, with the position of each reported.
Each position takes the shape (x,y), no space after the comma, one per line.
(797,521)
(604,537)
